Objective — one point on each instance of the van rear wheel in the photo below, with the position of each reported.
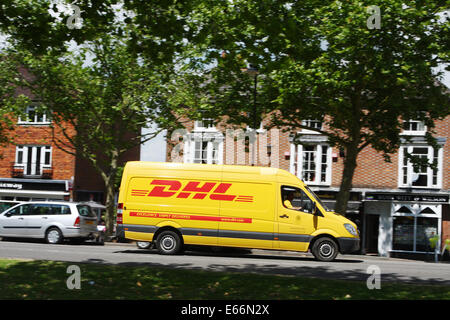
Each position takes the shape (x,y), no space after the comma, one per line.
(168,242)
(325,249)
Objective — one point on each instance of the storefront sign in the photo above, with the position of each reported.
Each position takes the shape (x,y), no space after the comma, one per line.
(15,186)
(407,197)
(43,185)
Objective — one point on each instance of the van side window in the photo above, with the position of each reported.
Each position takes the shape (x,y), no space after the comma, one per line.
(296,199)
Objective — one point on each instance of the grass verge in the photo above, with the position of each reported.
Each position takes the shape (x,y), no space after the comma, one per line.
(47,280)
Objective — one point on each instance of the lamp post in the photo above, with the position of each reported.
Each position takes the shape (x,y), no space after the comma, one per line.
(253,71)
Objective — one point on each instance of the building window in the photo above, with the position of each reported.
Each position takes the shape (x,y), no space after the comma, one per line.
(423,176)
(204,148)
(414,127)
(414,226)
(34,117)
(206,124)
(315,124)
(33,159)
(312,163)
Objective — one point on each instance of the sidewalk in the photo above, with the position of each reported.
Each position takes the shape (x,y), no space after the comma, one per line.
(298,254)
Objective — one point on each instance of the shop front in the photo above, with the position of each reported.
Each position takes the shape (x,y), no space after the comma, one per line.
(13,191)
(401,225)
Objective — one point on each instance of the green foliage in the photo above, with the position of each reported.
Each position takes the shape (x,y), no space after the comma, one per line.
(316,60)
(319,60)
(25,279)
(433,241)
(11,101)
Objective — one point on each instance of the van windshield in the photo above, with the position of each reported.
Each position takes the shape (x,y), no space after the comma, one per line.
(316,197)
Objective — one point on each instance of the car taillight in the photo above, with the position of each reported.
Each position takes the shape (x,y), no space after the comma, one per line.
(119,213)
(77,222)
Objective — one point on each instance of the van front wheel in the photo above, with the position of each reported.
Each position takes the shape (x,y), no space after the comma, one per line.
(168,242)
(325,249)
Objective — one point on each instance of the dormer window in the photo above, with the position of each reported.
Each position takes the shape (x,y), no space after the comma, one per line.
(314,124)
(206,124)
(414,127)
(32,116)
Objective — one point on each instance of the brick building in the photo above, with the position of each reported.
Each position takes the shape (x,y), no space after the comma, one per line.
(34,168)
(396,208)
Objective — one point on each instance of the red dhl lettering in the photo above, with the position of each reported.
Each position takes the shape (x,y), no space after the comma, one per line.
(171,188)
(189,217)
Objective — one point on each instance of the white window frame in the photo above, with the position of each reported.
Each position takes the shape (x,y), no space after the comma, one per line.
(410,168)
(415,213)
(45,118)
(308,123)
(415,132)
(25,149)
(297,159)
(199,125)
(210,139)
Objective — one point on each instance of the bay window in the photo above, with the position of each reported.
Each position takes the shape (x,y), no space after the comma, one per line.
(420,176)
(311,163)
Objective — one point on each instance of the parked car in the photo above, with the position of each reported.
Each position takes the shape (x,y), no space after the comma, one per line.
(99,210)
(52,221)
(5,205)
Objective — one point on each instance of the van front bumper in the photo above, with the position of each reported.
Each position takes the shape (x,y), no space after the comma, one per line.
(348,245)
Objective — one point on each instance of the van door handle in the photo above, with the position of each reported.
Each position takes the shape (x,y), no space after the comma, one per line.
(20,218)
(284,216)
(44,218)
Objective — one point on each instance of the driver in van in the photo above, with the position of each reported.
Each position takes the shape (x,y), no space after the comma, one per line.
(288,202)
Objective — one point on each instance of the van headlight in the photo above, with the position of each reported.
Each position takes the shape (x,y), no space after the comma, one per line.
(351,229)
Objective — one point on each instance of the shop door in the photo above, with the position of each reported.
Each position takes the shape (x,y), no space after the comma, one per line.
(373,222)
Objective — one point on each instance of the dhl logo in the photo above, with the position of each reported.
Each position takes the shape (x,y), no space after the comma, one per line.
(173,188)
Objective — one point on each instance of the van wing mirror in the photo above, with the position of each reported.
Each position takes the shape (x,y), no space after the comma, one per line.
(8,214)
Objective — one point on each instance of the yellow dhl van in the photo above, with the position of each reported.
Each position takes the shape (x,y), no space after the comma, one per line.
(173,204)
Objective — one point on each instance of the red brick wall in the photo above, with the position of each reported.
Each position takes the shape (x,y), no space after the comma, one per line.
(63,163)
(371,172)
(443,130)
(445,224)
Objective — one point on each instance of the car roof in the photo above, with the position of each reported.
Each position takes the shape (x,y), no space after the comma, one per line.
(51,202)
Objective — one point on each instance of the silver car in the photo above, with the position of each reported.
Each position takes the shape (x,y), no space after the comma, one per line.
(52,221)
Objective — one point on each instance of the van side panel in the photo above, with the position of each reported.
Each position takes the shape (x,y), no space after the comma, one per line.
(177,198)
(248,220)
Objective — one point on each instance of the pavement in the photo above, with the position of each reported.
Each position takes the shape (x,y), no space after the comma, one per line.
(345,267)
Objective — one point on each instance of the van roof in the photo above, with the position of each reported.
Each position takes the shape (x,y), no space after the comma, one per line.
(273,174)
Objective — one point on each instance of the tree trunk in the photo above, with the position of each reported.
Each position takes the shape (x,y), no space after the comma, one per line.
(351,153)
(110,206)
(108,179)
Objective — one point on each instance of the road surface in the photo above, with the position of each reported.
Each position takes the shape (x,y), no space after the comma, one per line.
(345,267)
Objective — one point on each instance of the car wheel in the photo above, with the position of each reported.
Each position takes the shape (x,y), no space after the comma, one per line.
(143,244)
(53,236)
(325,249)
(168,242)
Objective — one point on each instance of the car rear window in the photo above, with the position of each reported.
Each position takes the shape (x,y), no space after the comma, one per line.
(85,211)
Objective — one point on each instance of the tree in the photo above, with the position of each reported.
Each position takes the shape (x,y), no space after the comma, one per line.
(101,106)
(121,79)
(321,61)
(10,99)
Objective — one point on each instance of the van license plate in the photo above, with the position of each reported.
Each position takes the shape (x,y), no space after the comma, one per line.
(89,222)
